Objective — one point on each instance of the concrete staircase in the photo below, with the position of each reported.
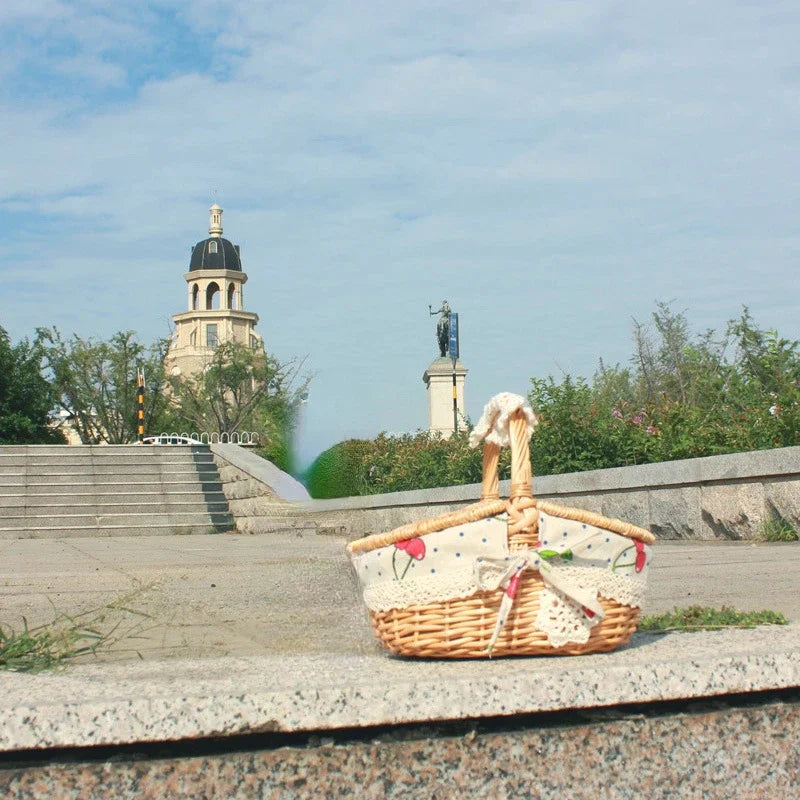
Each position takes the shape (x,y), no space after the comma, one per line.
(115,490)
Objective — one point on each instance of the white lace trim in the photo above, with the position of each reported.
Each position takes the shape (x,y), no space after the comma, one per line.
(420,591)
(565,621)
(562,620)
(383,596)
(628,590)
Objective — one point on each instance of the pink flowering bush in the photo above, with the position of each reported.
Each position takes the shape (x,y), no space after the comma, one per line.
(683,398)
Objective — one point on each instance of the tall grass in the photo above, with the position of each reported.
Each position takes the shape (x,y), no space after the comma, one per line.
(66,638)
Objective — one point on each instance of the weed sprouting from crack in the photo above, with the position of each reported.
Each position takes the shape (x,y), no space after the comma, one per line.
(67,637)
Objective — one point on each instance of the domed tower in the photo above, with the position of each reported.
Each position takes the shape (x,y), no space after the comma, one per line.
(216,314)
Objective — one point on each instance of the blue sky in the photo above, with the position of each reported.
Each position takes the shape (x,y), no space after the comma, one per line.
(552,169)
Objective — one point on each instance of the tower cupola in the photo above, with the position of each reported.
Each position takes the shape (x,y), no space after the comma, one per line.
(215,222)
(215,303)
(216,252)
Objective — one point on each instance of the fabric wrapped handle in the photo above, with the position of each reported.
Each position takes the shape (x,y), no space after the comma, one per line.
(506,420)
(521,472)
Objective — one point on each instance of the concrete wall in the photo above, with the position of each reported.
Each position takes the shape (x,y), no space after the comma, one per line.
(261,497)
(720,497)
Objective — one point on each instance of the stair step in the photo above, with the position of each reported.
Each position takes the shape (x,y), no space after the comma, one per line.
(101,451)
(73,457)
(104,469)
(164,506)
(110,520)
(93,533)
(117,498)
(129,488)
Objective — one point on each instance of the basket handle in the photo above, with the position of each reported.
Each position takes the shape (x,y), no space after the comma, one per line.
(521,473)
(490,486)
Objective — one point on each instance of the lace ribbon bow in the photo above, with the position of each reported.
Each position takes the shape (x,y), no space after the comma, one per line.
(492,573)
(493,426)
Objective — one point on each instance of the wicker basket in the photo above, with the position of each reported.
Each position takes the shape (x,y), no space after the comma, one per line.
(503,620)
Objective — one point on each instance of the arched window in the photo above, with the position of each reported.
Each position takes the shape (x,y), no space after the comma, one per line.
(212,247)
(195,294)
(232,296)
(212,296)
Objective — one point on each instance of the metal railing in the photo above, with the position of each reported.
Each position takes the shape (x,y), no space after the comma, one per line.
(243,438)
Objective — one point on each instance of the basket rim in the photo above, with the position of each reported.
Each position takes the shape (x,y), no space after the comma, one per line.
(474,512)
(485,509)
(619,526)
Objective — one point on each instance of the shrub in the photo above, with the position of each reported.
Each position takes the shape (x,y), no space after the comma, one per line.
(396,463)
(338,471)
(776,528)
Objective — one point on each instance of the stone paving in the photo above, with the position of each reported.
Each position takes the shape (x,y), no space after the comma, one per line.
(239,595)
(232,635)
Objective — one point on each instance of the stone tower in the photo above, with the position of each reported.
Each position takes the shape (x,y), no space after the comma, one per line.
(438,379)
(215,302)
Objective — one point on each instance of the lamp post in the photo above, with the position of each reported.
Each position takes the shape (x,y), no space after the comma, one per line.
(140,404)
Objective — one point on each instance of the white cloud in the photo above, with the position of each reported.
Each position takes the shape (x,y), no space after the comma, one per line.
(551,169)
(93,69)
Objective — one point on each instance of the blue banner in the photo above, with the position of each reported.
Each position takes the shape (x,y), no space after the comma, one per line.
(453,347)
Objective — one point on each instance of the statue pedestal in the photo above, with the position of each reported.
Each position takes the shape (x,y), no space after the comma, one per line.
(439,380)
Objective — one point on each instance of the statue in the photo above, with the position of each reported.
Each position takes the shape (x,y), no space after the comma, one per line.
(442,327)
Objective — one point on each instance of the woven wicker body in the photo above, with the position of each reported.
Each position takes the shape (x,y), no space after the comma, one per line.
(463,627)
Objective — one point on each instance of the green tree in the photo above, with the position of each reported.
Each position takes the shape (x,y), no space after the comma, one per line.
(767,383)
(95,382)
(26,397)
(669,363)
(242,389)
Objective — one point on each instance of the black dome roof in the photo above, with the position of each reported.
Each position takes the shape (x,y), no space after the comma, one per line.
(215,253)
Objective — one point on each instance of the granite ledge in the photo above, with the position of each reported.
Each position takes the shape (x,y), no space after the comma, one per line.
(96,704)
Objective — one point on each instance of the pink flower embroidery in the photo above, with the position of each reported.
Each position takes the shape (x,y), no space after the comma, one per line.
(641,556)
(415,548)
